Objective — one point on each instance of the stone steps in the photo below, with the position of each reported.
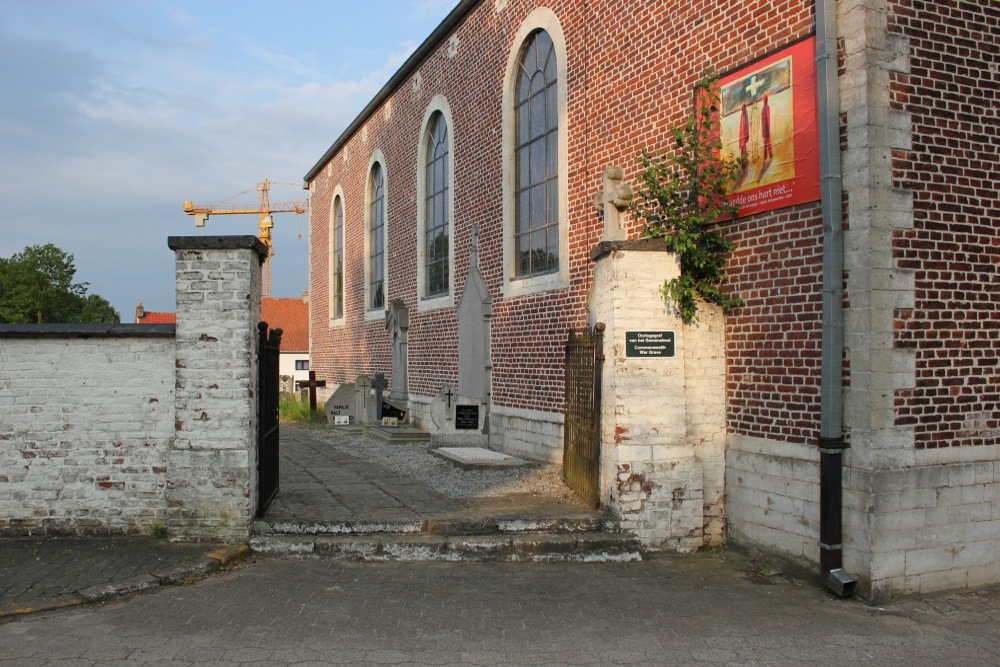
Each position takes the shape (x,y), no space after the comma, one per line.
(531,539)
(510,547)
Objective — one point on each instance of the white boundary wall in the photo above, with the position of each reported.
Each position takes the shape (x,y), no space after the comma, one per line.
(123,428)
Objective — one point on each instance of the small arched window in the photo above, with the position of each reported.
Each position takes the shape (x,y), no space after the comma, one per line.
(536,159)
(437,225)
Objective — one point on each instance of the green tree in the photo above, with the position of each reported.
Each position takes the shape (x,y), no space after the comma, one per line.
(36,286)
(681,198)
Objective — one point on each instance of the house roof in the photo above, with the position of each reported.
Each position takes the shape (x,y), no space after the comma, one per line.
(443,30)
(153,317)
(291,315)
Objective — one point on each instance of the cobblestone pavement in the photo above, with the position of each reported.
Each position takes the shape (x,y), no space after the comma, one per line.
(33,569)
(706,609)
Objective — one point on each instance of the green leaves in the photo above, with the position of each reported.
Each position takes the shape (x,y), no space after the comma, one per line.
(36,287)
(682,196)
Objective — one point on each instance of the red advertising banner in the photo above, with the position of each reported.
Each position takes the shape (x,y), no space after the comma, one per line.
(767,121)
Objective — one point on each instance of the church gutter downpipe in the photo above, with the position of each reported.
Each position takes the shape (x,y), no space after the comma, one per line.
(831,440)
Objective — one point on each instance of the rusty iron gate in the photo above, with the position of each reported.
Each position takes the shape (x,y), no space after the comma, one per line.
(267,415)
(582,419)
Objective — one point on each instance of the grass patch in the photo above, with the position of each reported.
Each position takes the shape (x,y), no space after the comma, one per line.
(291,409)
(157,531)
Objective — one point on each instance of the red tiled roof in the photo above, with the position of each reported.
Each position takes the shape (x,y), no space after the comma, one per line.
(292,317)
(152,317)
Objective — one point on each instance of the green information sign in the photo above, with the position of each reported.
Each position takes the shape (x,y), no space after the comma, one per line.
(649,344)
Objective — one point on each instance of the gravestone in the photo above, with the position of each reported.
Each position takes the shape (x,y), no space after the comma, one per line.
(341,407)
(379,384)
(383,408)
(397,322)
(363,404)
(474,312)
(459,419)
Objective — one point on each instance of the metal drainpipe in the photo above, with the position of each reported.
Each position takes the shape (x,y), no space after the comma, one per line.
(831,441)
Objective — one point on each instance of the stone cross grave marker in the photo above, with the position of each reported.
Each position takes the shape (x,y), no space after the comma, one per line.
(311,384)
(362,384)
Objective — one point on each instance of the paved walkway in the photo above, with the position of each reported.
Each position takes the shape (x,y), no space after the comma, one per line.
(321,483)
(709,609)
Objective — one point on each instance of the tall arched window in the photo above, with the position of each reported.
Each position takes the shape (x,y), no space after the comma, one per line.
(536,159)
(376,239)
(437,224)
(337,260)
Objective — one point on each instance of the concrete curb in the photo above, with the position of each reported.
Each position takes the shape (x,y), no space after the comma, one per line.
(212,562)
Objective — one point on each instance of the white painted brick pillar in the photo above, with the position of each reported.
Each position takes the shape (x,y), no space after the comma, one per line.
(663,418)
(211,467)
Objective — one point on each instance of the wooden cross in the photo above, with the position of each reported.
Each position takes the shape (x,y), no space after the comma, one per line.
(312,383)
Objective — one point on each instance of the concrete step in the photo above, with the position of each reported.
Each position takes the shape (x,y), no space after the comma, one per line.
(517,546)
(447,526)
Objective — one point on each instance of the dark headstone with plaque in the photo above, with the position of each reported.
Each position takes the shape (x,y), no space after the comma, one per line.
(466,417)
(389,410)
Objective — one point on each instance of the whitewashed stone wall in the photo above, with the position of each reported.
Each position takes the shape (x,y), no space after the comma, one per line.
(117,429)
(533,434)
(772,497)
(86,419)
(663,419)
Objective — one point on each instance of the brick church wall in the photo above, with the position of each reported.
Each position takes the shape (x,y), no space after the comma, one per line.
(630,80)
(918,88)
(927,425)
(951,92)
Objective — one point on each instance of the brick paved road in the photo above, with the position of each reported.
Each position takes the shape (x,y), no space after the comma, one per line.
(671,610)
(36,568)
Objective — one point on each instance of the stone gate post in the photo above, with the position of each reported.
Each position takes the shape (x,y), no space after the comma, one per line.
(663,403)
(211,466)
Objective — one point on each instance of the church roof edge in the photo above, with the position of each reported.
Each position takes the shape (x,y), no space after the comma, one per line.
(433,40)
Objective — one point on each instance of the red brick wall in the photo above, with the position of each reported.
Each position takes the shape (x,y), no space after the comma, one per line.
(953,169)
(631,70)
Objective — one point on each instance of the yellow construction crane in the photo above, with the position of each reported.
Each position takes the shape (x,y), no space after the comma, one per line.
(264,210)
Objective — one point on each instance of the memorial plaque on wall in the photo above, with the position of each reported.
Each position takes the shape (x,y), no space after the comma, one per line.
(649,344)
(467,417)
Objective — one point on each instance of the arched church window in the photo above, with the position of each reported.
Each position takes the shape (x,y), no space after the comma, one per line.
(376,239)
(437,225)
(337,260)
(536,137)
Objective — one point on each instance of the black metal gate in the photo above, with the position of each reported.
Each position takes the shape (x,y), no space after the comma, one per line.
(582,420)
(267,415)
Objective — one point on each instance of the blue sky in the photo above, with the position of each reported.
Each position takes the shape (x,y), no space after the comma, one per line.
(117,111)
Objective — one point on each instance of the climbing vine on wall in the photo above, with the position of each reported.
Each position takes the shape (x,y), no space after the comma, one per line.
(682,196)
